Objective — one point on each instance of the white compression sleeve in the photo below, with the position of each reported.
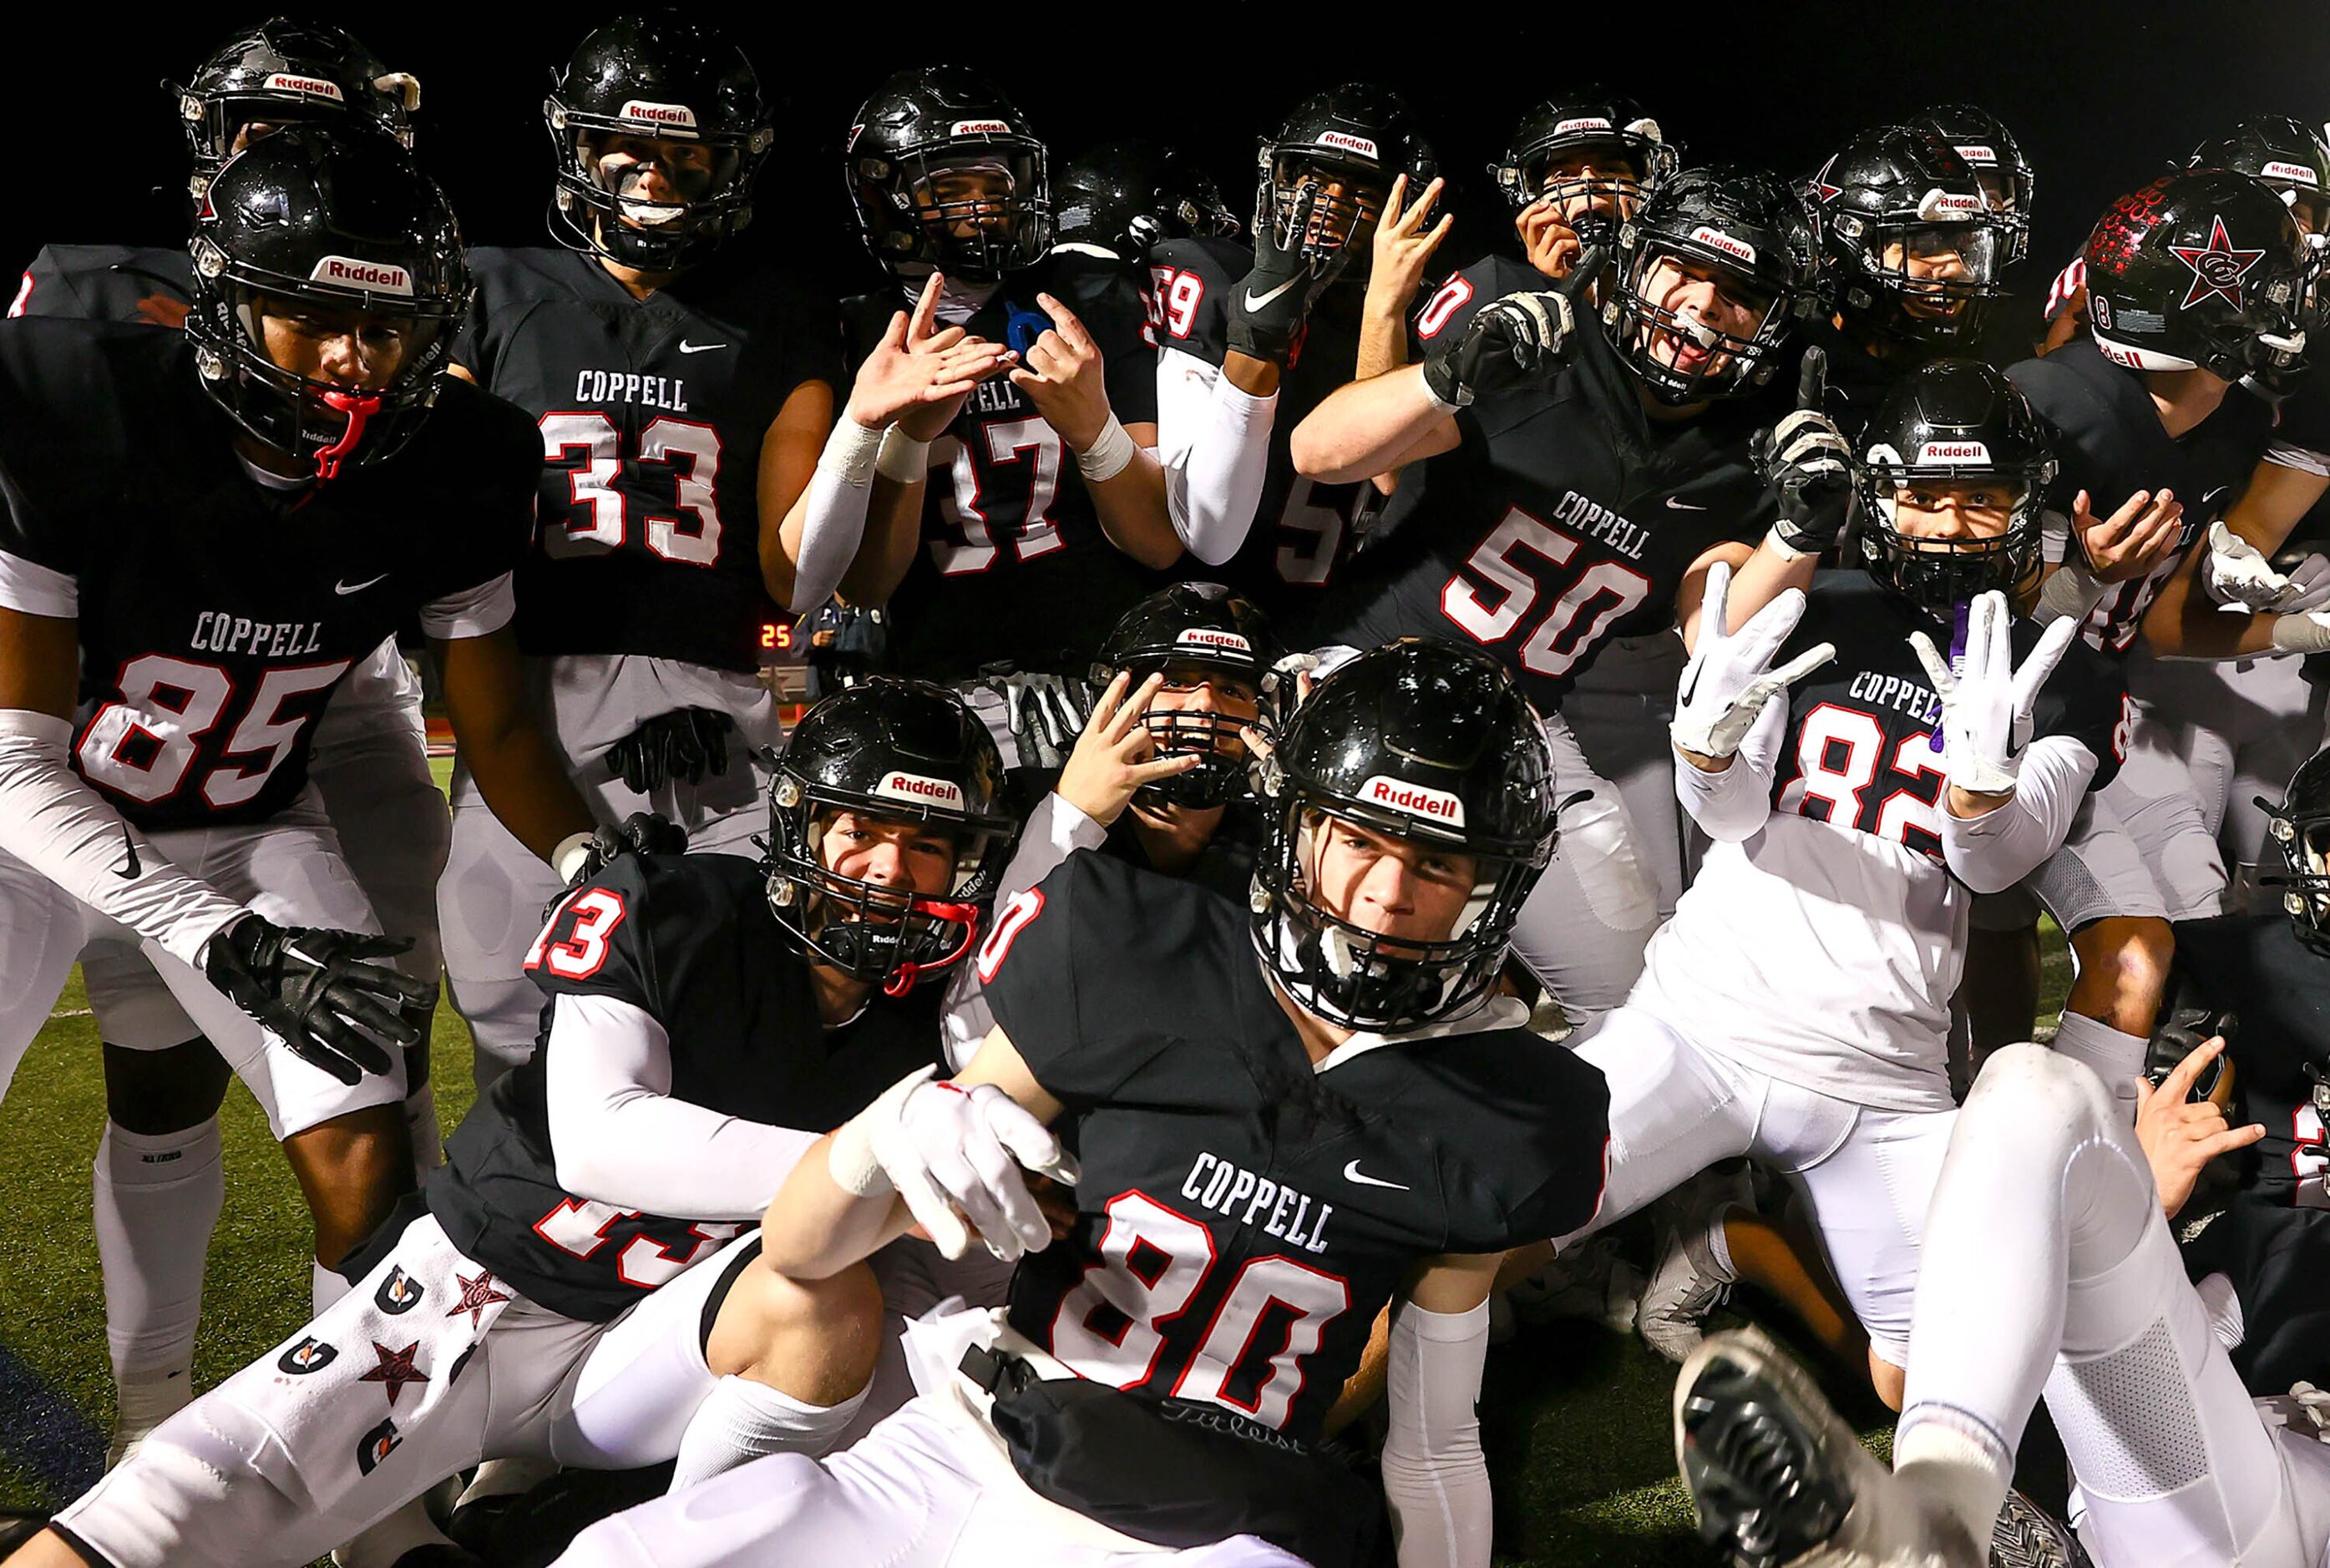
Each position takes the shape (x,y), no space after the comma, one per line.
(1732,806)
(1055,830)
(835,523)
(1212,442)
(1434,1475)
(64,829)
(1992,853)
(619,1138)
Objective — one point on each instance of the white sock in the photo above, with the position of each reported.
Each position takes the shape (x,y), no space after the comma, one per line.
(741,1420)
(1966,1475)
(2114,1057)
(324,1287)
(420,1121)
(386,1540)
(157,1200)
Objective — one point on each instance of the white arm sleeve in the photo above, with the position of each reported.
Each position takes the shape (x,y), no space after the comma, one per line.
(1212,442)
(839,488)
(1992,853)
(1434,1475)
(619,1138)
(61,827)
(1732,806)
(1055,830)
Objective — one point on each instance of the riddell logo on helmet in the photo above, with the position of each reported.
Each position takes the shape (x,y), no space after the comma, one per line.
(980,127)
(1585,122)
(670,116)
(901,785)
(371,276)
(1718,239)
(1954,452)
(1349,144)
(1415,799)
(1978,153)
(306,86)
(2277,170)
(1207,636)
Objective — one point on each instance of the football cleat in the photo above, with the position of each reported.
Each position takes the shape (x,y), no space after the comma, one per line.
(1780,1481)
(2028,1537)
(1688,1283)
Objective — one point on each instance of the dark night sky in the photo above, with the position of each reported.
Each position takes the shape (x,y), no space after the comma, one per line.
(2101,94)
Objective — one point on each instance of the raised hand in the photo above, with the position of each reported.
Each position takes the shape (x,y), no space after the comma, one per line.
(2133,540)
(1115,755)
(1063,377)
(2180,1135)
(1730,677)
(323,992)
(1404,247)
(1551,245)
(1808,464)
(1271,303)
(920,374)
(1987,705)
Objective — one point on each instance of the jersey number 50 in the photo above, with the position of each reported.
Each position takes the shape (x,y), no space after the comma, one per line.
(1600,595)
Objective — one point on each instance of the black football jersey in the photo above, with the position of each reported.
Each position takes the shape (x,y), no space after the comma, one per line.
(2279,989)
(1242,1217)
(216,615)
(141,283)
(1012,566)
(688,940)
(1861,749)
(1856,381)
(2303,418)
(1564,518)
(2113,445)
(1303,530)
(1224,866)
(652,414)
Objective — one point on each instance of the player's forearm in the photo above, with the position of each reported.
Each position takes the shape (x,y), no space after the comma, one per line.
(1732,803)
(1133,513)
(894,531)
(1367,427)
(1992,851)
(823,532)
(1769,571)
(1436,1477)
(1383,339)
(519,773)
(814,1228)
(65,830)
(1216,465)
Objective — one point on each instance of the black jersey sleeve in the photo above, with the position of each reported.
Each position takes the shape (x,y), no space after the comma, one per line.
(57,428)
(808,329)
(1443,314)
(2086,699)
(600,939)
(2070,403)
(1191,279)
(2303,420)
(1534,1138)
(486,466)
(47,289)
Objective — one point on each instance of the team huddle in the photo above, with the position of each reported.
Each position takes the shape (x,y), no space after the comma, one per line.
(1380,769)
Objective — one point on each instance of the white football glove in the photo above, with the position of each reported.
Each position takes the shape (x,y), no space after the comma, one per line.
(1988,703)
(955,1156)
(2235,573)
(1728,680)
(2309,586)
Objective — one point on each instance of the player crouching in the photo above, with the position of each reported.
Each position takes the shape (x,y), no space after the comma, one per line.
(558,1291)
(1286,1115)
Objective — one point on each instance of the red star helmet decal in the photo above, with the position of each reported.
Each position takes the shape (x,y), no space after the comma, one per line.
(395,1369)
(2217,267)
(1828,193)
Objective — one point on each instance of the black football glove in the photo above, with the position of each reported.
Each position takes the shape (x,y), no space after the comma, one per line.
(685,744)
(641,833)
(1268,307)
(321,991)
(1808,464)
(1509,343)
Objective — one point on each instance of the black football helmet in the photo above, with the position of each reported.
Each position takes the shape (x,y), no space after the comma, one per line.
(663,77)
(1591,118)
(286,72)
(1124,196)
(901,750)
(2285,155)
(1206,626)
(2301,826)
(1955,422)
(1896,197)
(1349,143)
(1431,743)
(913,149)
(2203,268)
(1753,230)
(331,219)
(1990,149)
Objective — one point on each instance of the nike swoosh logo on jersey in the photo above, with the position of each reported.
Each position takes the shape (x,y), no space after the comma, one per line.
(2212,497)
(1684,505)
(347,588)
(688,347)
(1256,302)
(128,872)
(1351,1174)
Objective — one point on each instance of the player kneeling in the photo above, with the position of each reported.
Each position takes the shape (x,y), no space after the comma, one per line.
(558,1293)
(1286,1116)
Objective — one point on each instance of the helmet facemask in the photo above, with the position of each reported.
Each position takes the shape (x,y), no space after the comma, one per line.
(2304,837)
(603,203)
(974,210)
(1927,278)
(1333,207)
(1937,572)
(1595,200)
(1213,734)
(1679,357)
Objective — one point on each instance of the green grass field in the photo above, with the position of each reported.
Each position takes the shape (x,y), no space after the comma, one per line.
(1575,1416)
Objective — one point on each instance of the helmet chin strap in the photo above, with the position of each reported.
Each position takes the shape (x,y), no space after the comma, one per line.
(359,407)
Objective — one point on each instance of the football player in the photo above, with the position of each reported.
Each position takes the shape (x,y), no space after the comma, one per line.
(560,1289)
(1286,1116)
(186,580)
(1866,758)
(683,393)
(2195,282)
(1995,155)
(1122,199)
(1575,169)
(2050,1269)
(1580,477)
(1254,337)
(1042,501)
(158,1178)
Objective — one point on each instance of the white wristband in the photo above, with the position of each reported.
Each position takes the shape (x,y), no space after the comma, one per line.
(850,449)
(568,857)
(850,1158)
(2069,594)
(903,459)
(1108,455)
(2308,633)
